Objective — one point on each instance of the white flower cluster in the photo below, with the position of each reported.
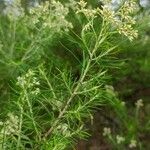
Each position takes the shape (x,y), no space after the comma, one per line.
(13,9)
(110,90)
(29,82)
(139,103)
(120,139)
(122,19)
(106,131)
(63,128)
(108,14)
(88,12)
(10,126)
(133,143)
(51,15)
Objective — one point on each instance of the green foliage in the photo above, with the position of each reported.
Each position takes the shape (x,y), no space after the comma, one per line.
(55,65)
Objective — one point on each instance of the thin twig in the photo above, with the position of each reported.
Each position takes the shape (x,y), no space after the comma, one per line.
(83,75)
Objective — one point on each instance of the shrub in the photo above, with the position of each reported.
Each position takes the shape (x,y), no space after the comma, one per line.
(55,62)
